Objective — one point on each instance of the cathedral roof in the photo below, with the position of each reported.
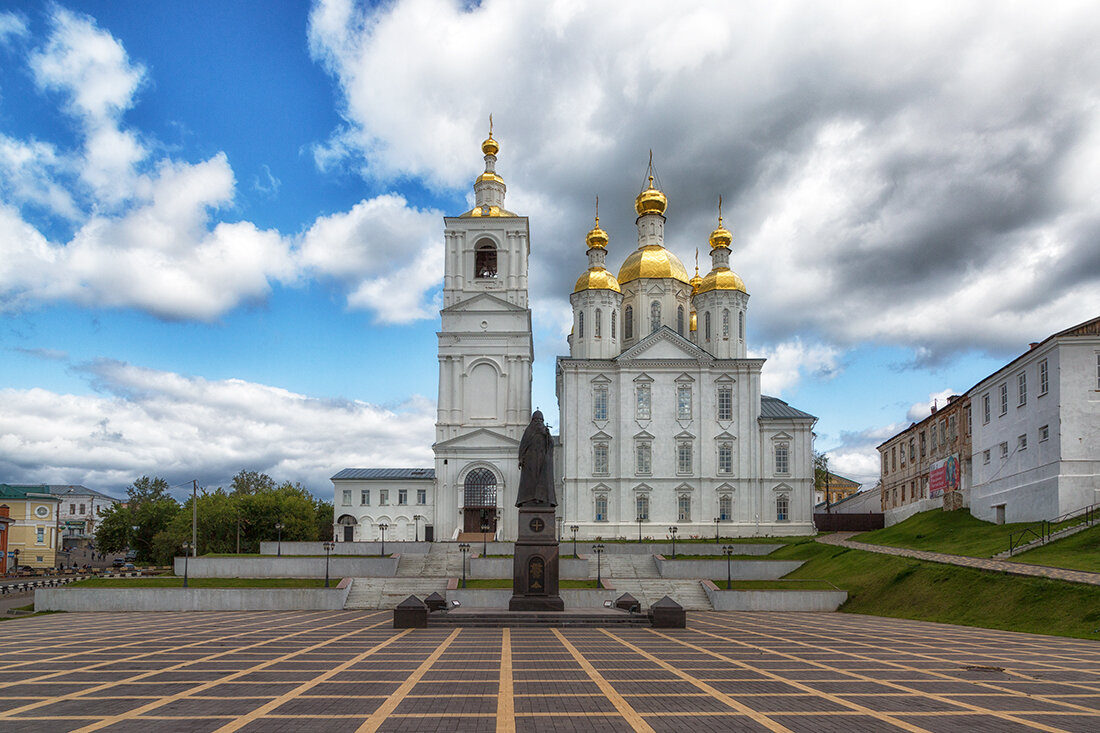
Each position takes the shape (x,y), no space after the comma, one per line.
(776,409)
(652,261)
(596,278)
(721,278)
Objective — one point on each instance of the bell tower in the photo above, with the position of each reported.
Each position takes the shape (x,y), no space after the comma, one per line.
(485,354)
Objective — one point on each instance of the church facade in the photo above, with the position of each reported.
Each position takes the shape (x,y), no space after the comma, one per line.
(662,421)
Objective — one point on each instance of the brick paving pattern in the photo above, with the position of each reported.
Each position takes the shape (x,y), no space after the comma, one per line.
(982,563)
(350,671)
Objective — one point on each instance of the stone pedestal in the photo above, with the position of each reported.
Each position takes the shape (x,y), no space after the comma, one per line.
(535,567)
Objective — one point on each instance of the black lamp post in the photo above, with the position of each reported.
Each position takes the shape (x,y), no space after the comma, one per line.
(186,551)
(416,525)
(279,529)
(573,528)
(728,550)
(672,531)
(716,521)
(328,548)
(598,549)
(639,521)
(484,538)
(464,547)
(383,527)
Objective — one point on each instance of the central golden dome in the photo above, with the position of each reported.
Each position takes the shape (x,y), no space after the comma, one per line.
(650,201)
(652,261)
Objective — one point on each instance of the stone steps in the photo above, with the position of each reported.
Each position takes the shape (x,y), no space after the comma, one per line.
(489,619)
(373,593)
(688,593)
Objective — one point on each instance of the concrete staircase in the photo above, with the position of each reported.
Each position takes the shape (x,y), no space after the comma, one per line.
(444,560)
(624,566)
(388,592)
(688,593)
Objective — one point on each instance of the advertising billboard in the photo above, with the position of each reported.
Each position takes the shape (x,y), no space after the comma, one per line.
(943,476)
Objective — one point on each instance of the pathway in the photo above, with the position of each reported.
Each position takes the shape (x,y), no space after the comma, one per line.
(843,539)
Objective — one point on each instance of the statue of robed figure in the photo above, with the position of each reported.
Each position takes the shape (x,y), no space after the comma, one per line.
(536,463)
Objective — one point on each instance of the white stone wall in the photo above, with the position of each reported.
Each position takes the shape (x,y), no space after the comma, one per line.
(398,518)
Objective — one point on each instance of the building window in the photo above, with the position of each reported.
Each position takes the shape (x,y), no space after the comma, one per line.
(599,459)
(725,506)
(969,424)
(601,507)
(1021,388)
(654,316)
(684,457)
(643,453)
(40,535)
(985,408)
(402,497)
(479,489)
(1004,450)
(421,496)
(683,508)
(725,323)
(725,403)
(641,503)
(1004,398)
(1021,442)
(782,458)
(347,497)
(912,449)
(953,427)
(741,325)
(933,435)
(680,320)
(364,497)
(642,410)
(725,458)
(1098,371)
(628,322)
(706,325)
(81,509)
(1044,378)
(383,497)
(902,451)
(1044,433)
(885,464)
(683,403)
(580,324)
(596,323)
(894,454)
(613,317)
(781,508)
(985,456)
(72,508)
(923,446)
(485,260)
(599,403)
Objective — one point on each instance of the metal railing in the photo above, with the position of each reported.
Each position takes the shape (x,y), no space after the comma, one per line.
(1043,531)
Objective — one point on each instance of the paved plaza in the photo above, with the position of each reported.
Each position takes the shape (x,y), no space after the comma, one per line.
(348,671)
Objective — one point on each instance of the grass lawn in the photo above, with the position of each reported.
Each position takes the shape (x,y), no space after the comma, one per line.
(1080,551)
(955,533)
(497,583)
(735,558)
(776,585)
(177,582)
(884,585)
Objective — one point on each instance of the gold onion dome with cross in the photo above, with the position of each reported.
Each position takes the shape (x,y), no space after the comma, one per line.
(596,277)
(721,277)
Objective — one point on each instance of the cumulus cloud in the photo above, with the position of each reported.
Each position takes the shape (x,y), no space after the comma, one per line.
(143,421)
(921,175)
(857,457)
(920,410)
(788,362)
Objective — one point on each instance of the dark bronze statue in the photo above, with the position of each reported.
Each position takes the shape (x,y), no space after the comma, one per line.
(536,463)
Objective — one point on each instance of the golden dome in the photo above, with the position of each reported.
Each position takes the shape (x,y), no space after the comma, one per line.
(487,176)
(652,261)
(490,146)
(720,237)
(695,281)
(650,201)
(596,278)
(596,238)
(722,278)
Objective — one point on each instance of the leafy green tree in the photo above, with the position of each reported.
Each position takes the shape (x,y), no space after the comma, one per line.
(151,510)
(113,531)
(252,482)
(147,489)
(323,517)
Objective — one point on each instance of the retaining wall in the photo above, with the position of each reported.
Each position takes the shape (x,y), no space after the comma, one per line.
(774,600)
(345,548)
(665,548)
(287,567)
(191,599)
(740,569)
(502,567)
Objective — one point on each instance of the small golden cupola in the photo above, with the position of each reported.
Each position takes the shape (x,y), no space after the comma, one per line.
(721,277)
(696,281)
(489,188)
(596,277)
(651,259)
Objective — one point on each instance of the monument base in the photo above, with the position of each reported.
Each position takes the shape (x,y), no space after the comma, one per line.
(535,564)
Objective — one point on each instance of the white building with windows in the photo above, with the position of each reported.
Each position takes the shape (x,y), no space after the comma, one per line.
(80,509)
(1036,430)
(659,422)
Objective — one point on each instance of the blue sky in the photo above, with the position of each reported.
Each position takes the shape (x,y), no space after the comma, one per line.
(221,223)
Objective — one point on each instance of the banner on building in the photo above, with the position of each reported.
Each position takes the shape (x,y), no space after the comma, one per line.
(943,476)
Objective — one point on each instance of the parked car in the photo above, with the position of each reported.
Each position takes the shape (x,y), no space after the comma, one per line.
(118,562)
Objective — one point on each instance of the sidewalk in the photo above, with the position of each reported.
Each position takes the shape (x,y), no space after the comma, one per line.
(843,539)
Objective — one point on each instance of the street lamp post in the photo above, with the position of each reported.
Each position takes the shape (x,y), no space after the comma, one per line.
(573,528)
(484,539)
(383,527)
(416,525)
(672,531)
(279,529)
(464,547)
(186,551)
(598,549)
(328,548)
(716,521)
(728,550)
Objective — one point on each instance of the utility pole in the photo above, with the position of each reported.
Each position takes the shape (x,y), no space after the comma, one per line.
(194,518)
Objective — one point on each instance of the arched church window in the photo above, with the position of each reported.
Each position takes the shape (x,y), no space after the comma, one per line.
(580,324)
(725,507)
(614,316)
(641,505)
(654,316)
(485,260)
(596,323)
(725,323)
(706,325)
(680,320)
(628,322)
(480,488)
(741,325)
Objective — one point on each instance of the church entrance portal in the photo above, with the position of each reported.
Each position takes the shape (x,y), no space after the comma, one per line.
(348,523)
(479,512)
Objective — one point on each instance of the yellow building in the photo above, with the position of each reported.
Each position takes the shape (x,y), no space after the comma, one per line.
(33,534)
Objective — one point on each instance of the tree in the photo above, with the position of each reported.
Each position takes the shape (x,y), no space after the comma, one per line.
(113,533)
(151,510)
(821,475)
(147,489)
(252,482)
(323,516)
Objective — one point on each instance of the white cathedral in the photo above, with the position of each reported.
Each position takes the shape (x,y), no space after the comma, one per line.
(662,422)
